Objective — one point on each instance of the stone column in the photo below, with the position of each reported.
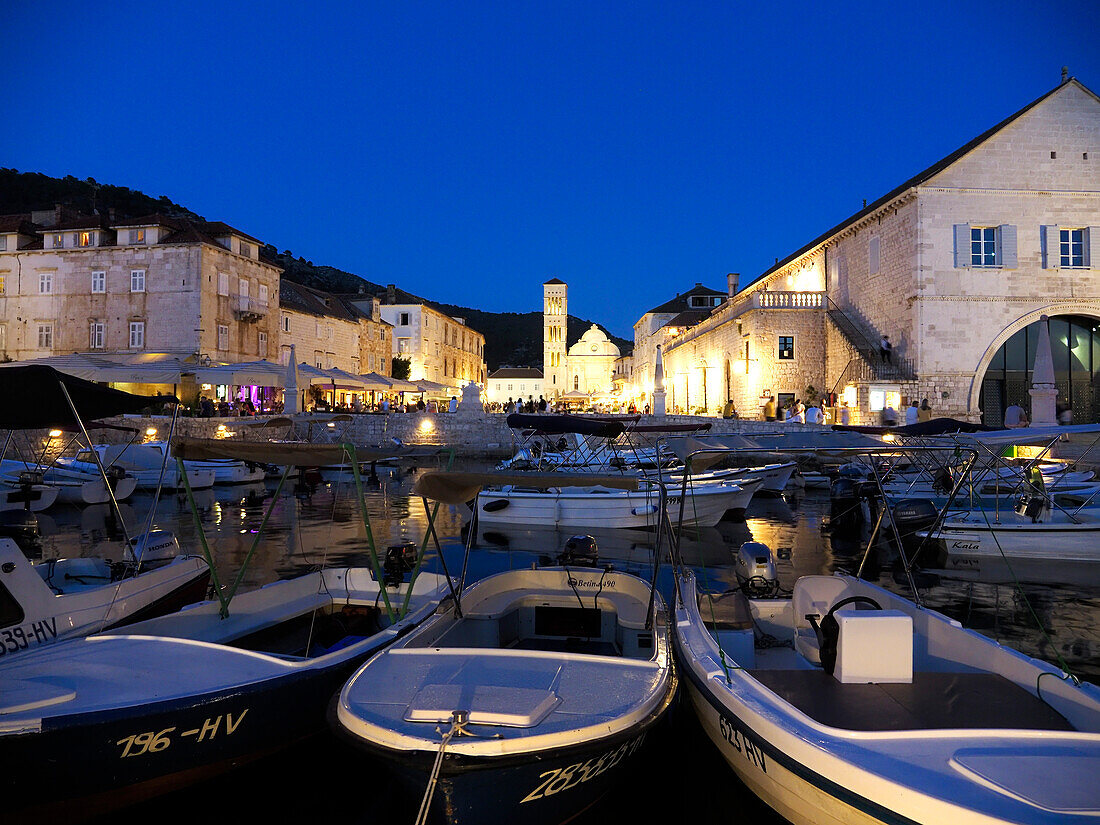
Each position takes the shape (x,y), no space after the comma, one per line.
(659,385)
(1043,391)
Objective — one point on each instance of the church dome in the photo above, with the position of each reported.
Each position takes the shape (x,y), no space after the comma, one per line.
(594,342)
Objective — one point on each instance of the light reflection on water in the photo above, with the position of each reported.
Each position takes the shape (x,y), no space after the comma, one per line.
(325,528)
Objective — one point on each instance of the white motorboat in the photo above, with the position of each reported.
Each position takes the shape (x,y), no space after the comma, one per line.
(73,486)
(525,706)
(599,506)
(145,462)
(63,598)
(888,713)
(226,471)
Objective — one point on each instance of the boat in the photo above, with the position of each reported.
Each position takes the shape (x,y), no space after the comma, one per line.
(128,713)
(73,486)
(846,703)
(26,495)
(145,462)
(598,504)
(524,701)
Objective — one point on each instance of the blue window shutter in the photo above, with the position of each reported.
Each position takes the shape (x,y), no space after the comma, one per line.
(1051,250)
(1092,247)
(962,245)
(1006,248)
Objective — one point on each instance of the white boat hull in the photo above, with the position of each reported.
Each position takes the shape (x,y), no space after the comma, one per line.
(575,507)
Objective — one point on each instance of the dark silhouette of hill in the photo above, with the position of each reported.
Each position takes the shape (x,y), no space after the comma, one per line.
(512,339)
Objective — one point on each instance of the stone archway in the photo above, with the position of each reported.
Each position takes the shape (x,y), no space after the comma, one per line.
(1075,373)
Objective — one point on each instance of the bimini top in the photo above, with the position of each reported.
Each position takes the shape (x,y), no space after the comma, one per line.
(35,399)
(451,487)
(288,453)
(555,424)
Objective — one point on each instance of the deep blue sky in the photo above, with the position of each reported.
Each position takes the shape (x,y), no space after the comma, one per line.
(469,151)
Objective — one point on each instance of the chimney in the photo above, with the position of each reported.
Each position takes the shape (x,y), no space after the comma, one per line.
(731,282)
(391,294)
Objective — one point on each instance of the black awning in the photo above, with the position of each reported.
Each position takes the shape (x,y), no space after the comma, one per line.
(33,399)
(554,424)
(935,426)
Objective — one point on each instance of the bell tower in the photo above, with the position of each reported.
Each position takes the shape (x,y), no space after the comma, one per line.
(555,314)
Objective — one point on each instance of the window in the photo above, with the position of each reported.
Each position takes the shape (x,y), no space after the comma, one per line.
(286,323)
(137,280)
(263,294)
(3,243)
(223,283)
(263,345)
(786,347)
(243,287)
(403,345)
(246,249)
(223,337)
(99,281)
(318,329)
(983,246)
(84,239)
(45,336)
(137,334)
(97,338)
(1071,244)
(3,285)
(58,241)
(137,236)
(576,382)
(404,319)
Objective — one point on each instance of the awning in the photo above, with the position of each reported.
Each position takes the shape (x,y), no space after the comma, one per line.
(35,399)
(260,373)
(92,367)
(459,487)
(424,385)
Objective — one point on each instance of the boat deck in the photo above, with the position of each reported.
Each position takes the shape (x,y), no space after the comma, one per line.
(933,701)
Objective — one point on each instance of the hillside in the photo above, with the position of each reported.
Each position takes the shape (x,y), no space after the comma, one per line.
(511,338)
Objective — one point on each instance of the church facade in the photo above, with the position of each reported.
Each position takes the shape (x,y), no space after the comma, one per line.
(583,369)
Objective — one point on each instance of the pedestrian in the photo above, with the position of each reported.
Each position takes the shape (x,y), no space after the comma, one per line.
(647,409)
(728,410)
(1015,417)
(912,413)
(452,406)
(542,404)
(798,412)
(924,413)
(889,416)
(1065,415)
(814,414)
(769,409)
(518,406)
(385,404)
(886,350)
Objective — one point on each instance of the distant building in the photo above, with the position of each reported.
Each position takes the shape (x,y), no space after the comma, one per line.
(330,330)
(957,265)
(510,383)
(440,348)
(78,283)
(585,367)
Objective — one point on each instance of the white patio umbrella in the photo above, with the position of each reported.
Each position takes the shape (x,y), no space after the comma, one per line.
(290,391)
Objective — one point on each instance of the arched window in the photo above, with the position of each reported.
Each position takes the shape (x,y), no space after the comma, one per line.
(576,382)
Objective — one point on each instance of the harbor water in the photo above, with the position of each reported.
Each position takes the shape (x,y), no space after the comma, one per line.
(1051,613)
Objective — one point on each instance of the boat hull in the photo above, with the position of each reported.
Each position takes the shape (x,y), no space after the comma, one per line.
(550,786)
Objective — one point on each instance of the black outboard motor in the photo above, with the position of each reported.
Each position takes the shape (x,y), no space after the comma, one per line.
(579,551)
(845,510)
(400,559)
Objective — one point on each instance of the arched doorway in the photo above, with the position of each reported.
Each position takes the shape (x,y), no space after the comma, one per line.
(1075,348)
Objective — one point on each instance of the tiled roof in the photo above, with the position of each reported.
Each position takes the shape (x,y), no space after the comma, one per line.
(681,301)
(18,223)
(554,281)
(689,318)
(315,302)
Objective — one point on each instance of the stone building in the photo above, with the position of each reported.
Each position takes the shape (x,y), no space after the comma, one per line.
(661,324)
(330,330)
(440,348)
(956,266)
(586,366)
(510,383)
(77,283)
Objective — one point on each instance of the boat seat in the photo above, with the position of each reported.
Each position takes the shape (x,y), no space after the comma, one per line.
(813,595)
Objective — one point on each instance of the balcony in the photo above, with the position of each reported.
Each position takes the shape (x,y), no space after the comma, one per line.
(788,300)
(247,308)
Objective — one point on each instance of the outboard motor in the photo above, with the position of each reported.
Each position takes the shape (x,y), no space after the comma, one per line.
(755,569)
(400,559)
(845,510)
(579,551)
(914,514)
(151,549)
(1033,507)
